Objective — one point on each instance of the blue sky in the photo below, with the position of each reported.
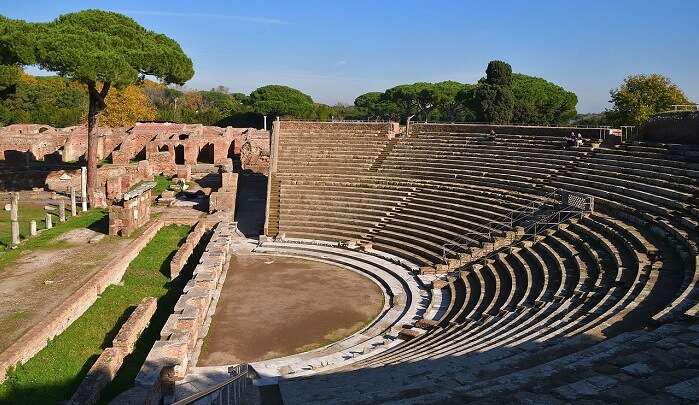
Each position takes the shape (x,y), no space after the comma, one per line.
(336,50)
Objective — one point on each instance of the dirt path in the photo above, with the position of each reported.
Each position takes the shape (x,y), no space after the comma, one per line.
(38,281)
(273,306)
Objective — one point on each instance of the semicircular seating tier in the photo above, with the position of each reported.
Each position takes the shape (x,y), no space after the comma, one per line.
(522,319)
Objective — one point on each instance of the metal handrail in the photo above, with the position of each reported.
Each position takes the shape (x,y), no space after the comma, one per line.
(533,225)
(230,391)
(537,227)
(508,221)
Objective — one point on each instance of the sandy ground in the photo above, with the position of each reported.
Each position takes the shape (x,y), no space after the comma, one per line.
(273,306)
(38,281)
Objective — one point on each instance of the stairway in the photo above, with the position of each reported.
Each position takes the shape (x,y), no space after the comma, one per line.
(383,155)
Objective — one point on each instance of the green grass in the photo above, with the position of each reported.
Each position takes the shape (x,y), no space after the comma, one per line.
(161,184)
(55,372)
(94,219)
(27,213)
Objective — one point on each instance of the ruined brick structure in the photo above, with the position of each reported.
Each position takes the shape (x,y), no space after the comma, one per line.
(40,155)
(132,211)
(183,143)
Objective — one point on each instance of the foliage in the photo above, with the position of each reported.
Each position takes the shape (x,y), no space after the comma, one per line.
(498,73)
(641,96)
(162,183)
(9,76)
(93,47)
(538,101)
(492,103)
(46,100)
(374,106)
(283,101)
(54,373)
(128,106)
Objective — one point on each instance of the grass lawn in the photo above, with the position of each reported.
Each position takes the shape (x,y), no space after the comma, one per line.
(94,219)
(55,372)
(27,212)
(161,184)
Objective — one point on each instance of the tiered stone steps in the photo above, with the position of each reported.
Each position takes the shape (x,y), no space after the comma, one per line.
(552,319)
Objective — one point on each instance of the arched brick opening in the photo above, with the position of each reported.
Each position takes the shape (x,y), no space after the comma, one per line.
(179,154)
(231,150)
(206,154)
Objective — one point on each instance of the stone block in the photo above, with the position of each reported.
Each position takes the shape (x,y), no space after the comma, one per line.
(98,377)
(135,325)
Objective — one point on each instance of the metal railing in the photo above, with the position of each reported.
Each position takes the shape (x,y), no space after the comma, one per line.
(228,392)
(533,220)
(496,228)
(530,233)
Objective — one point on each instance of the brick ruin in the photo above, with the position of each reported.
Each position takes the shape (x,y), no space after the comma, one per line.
(40,156)
(132,211)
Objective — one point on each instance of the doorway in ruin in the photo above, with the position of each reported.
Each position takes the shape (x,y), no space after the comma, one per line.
(141,155)
(231,150)
(163,148)
(179,154)
(206,154)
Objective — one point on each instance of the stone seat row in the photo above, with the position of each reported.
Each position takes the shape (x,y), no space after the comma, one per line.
(532,271)
(422,221)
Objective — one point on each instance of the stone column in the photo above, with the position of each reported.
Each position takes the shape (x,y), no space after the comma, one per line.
(49,222)
(32,227)
(62,210)
(83,187)
(14,218)
(73,208)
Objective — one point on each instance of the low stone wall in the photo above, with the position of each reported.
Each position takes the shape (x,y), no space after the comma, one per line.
(169,359)
(224,198)
(110,360)
(378,127)
(673,127)
(185,251)
(588,133)
(74,306)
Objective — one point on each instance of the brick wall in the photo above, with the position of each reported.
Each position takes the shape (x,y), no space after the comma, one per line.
(73,307)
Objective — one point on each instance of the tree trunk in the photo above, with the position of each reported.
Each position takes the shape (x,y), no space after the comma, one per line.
(95,108)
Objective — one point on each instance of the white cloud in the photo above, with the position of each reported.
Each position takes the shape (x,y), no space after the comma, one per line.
(341,62)
(250,19)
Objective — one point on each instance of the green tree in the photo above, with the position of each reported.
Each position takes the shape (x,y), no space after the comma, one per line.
(538,101)
(405,98)
(374,106)
(498,73)
(48,100)
(493,100)
(99,49)
(276,100)
(446,100)
(641,96)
